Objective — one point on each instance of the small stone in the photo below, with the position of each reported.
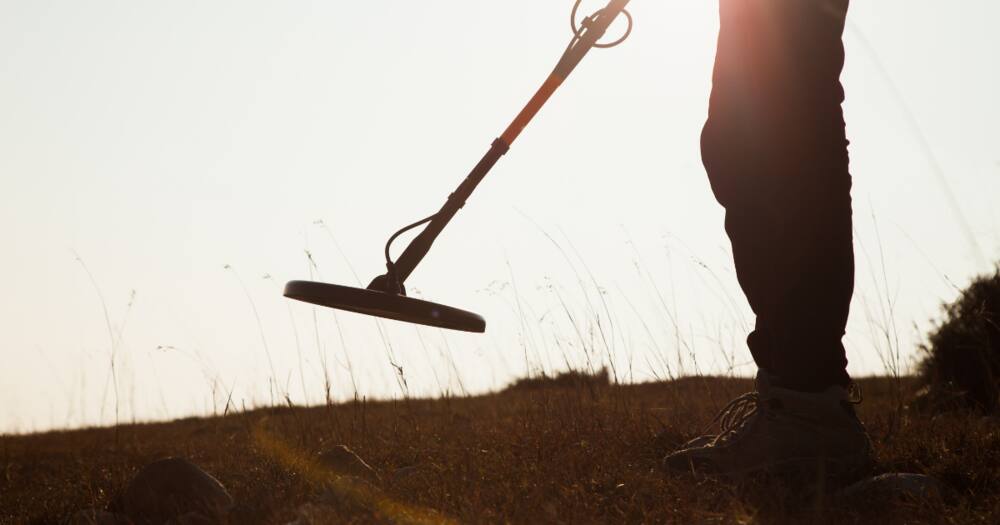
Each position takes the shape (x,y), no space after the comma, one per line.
(914,486)
(98,517)
(174,488)
(343,461)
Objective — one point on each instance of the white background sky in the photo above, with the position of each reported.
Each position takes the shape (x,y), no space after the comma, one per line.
(161,141)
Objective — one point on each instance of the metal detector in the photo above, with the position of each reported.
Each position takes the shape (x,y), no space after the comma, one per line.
(386,295)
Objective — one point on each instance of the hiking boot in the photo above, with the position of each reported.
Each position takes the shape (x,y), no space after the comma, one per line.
(779,430)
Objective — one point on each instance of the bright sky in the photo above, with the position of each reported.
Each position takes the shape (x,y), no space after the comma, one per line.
(159,142)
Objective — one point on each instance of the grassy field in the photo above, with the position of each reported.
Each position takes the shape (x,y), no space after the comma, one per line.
(539,452)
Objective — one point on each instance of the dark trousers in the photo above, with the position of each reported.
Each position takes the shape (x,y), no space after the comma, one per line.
(775,151)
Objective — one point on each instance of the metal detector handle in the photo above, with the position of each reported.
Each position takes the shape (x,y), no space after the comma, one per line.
(583,42)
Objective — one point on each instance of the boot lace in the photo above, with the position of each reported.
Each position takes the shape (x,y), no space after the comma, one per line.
(735,416)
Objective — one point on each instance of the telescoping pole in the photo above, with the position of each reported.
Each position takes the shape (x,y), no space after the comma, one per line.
(584,40)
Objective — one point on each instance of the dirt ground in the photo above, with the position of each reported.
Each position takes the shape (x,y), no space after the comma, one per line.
(542,452)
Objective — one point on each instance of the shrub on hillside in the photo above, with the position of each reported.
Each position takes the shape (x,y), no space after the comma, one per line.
(569,379)
(961,363)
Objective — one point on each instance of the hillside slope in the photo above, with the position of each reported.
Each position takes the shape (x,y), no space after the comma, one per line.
(543,451)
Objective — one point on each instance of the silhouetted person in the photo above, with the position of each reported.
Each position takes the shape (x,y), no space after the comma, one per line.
(775,151)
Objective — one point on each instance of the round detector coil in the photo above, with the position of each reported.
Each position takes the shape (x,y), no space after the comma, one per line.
(387,305)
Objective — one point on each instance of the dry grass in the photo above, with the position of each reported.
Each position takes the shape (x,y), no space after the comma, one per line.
(579,453)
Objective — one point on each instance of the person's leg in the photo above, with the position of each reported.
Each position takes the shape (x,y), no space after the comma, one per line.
(775,151)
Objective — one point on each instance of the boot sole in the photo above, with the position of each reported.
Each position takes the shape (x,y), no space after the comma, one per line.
(807,468)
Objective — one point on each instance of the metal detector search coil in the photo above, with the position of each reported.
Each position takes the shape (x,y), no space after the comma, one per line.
(381,304)
(386,295)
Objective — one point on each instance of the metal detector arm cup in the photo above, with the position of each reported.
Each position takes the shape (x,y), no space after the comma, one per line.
(583,41)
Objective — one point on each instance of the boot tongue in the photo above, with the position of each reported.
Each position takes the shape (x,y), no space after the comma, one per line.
(765,382)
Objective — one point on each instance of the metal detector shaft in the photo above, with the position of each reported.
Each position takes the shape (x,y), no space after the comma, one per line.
(582,43)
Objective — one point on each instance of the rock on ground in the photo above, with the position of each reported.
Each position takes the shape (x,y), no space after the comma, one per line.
(915,486)
(344,461)
(175,489)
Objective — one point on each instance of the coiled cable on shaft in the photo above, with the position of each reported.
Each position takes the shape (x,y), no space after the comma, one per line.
(578,29)
(388,244)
